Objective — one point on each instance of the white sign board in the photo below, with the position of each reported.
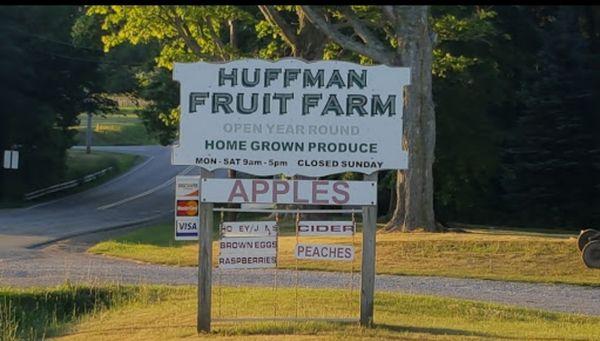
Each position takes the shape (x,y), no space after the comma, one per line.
(324,252)
(186,228)
(11,159)
(187,186)
(244,246)
(248,245)
(325,228)
(291,117)
(187,220)
(303,192)
(247,262)
(249,229)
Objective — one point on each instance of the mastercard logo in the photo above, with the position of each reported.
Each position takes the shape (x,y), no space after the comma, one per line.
(187,208)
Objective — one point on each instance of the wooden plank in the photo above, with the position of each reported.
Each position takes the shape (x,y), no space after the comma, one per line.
(290,319)
(258,210)
(205,260)
(367,282)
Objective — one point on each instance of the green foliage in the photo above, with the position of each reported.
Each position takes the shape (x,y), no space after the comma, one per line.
(467,86)
(482,81)
(174,33)
(553,159)
(175,28)
(461,25)
(162,115)
(272,45)
(47,81)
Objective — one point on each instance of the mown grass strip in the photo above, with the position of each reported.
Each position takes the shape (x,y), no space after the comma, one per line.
(164,313)
(489,255)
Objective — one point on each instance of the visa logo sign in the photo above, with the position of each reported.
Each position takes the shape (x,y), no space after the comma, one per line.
(187,226)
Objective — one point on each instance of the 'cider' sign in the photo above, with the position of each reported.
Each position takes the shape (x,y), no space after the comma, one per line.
(291,117)
(303,192)
(325,228)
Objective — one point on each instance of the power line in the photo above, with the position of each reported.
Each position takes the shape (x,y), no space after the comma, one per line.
(86,59)
(73,46)
(53,40)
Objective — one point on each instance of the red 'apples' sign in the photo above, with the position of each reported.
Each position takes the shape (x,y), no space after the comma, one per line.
(305,192)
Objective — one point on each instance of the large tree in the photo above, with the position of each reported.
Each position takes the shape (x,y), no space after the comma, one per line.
(396,36)
(366,34)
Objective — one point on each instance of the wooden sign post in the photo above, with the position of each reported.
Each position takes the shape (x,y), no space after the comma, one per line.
(367,279)
(205,261)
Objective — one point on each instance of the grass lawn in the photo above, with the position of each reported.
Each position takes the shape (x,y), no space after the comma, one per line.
(123,128)
(164,313)
(80,164)
(487,254)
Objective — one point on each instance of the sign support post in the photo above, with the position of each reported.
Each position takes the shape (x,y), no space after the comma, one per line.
(204,260)
(367,281)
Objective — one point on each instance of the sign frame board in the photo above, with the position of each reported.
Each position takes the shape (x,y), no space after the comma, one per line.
(291,117)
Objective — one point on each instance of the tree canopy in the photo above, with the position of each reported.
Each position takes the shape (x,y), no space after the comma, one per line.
(48,81)
(515,111)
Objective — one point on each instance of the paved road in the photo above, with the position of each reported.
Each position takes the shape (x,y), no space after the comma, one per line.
(145,192)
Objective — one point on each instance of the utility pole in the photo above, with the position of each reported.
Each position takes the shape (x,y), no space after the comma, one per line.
(88,135)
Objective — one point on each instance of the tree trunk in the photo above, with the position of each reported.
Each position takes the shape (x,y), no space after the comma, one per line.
(414,186)
(311,41)
(397,220)
(392,202)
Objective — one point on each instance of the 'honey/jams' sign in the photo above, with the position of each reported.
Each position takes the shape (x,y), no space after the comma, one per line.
(249,229)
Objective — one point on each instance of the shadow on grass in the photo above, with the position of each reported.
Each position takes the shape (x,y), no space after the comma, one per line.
(36,314)
(436,331)
(312,328)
